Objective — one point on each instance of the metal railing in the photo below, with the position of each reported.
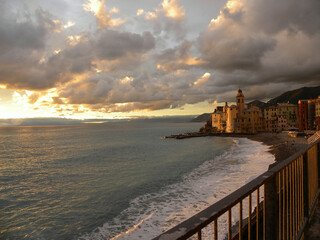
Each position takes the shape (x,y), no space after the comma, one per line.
(276,205)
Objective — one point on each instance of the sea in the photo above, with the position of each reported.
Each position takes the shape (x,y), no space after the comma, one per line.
(116,180)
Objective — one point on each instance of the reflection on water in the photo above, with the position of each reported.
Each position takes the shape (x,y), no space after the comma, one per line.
(67,182)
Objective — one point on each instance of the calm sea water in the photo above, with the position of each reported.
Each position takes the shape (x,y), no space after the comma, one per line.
(117,180)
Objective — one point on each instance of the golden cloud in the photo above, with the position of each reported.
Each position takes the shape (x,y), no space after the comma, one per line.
(172,9)
(104,19)
(140,12)
(168,8)
(203,79)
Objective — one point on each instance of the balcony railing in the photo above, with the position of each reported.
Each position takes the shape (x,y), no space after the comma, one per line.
(276,205)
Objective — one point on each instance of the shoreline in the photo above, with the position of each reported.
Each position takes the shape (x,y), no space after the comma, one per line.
(281,145)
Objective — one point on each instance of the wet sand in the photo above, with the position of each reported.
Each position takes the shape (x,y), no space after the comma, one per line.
(281,145)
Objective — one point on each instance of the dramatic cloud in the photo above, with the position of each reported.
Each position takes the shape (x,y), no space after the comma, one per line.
(113,45)
(178,58)
(172,9)
(104,19)
(274,16)
(76,57)
(258,42)
(26,34)
(22,44)
(26,63)
(167,19)
(168,8)
(115,95)
(228,44)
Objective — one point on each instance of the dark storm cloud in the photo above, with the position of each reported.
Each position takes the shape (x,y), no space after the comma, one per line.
(23,50)
(234,53)
(91,91)
(273,16)
(112,44)
(262,46)
(22,42)
(27,33)
(175,58)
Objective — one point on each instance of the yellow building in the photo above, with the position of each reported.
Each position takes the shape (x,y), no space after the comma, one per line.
(217,123)
(219,118)
(240,103)
(231,116)
(250,122)
(256,108)
(237,118)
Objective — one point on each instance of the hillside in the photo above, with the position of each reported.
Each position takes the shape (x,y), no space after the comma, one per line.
(258,103)
(202,118)
(291,96)
(295,95)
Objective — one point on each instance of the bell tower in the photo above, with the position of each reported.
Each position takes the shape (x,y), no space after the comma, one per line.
(240,102)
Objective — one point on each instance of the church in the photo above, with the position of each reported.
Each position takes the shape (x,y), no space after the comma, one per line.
(238,118)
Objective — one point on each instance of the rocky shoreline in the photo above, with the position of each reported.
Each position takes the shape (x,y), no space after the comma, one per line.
(281,145)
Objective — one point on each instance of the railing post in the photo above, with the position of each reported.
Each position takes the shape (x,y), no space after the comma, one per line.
(305,185)
(271,211)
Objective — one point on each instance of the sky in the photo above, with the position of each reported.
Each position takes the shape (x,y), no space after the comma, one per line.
(123,58)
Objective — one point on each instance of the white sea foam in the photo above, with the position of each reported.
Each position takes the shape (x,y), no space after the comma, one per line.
(151,214)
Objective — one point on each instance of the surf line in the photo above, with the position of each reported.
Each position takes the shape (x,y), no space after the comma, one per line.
(133,228)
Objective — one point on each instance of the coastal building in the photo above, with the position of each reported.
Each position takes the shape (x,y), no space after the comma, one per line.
(287,116)
(283,117)
(282,123)
(217,123)
(271,118)
(303,115)
(256,108)
(250,122)
(311,114)
(231,116)
(219,118)
(240,103)
(237,118)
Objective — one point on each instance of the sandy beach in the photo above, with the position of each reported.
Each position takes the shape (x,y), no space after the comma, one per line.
(281,145)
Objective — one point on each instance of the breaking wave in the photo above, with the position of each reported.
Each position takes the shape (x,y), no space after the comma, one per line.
(151,214)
